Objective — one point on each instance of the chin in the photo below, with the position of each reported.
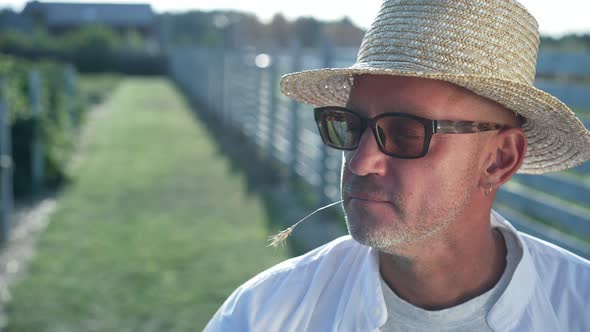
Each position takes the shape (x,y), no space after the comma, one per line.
(388,236)
(371,233)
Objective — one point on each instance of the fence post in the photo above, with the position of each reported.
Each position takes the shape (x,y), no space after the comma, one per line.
(273,103)
(6,190)
(71,101)
(294,116)
(259,118)
(37,162)
(214,74)
(327,63)
(221,103)
(225,76)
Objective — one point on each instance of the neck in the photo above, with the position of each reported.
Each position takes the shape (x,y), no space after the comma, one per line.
(453,268)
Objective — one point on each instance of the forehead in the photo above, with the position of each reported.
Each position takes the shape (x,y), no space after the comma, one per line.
(376,94)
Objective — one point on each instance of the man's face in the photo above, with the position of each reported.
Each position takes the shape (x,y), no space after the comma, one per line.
(391,202)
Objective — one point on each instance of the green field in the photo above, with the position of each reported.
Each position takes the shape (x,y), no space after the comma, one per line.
(155,231)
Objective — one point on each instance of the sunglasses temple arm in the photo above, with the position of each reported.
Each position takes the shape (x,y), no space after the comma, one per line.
(463,127)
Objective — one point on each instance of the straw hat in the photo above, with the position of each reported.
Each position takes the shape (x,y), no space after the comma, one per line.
(487,46)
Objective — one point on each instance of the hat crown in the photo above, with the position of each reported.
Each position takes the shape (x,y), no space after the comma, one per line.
(494,38)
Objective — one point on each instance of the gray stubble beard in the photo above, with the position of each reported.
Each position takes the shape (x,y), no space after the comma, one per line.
(400,234)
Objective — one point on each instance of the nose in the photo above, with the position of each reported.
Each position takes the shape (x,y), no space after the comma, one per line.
(366,159)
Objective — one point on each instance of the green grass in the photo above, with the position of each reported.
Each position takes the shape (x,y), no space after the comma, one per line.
(96,87)
(155,231)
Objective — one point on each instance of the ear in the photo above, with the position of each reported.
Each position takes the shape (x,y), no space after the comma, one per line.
(506,153)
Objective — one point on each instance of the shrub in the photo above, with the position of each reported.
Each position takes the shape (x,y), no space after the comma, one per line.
(61,111)
(92,49)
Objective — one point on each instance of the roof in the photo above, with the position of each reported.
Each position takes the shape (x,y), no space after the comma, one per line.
(68,14)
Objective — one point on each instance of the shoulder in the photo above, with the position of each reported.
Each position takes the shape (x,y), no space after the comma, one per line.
(550,260)
(331,251)
(560,271)
(290,285)
(299,270)
(548,255)
(564,279)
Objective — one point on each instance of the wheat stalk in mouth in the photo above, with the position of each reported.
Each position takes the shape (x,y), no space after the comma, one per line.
(280,237)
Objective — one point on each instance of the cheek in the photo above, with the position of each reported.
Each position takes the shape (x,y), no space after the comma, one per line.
(436,176)
(453,169)
(419,185)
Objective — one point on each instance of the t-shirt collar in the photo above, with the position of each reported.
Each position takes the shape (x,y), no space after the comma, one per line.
(509,307)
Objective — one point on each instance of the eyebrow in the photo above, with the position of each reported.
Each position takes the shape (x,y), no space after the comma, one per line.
(390,109)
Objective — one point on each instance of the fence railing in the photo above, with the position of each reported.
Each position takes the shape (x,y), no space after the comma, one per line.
(241,89)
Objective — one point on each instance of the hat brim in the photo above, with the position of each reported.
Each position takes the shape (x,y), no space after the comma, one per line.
(557,139)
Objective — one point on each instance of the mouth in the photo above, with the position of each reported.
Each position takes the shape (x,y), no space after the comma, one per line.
(364,194)
(363,197)
(371,198)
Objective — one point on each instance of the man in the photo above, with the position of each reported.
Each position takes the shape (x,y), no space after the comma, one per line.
(438,112)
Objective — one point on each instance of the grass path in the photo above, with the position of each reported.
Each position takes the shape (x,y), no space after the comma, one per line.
(155,231)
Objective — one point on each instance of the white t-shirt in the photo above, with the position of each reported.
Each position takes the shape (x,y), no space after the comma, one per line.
(469,316)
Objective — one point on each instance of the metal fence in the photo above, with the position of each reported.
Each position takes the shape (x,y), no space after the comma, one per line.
(241,89)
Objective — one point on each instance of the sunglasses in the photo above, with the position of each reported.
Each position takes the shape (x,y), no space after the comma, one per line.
(398,135)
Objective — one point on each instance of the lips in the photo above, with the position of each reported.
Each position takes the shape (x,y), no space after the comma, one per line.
(363,195)
(369,194)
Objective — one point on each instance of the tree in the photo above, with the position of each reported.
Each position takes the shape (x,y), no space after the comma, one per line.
(309,31)
(280,31)
(344,33)
(94,38)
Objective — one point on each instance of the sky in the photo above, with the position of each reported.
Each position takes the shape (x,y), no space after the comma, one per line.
(555,17)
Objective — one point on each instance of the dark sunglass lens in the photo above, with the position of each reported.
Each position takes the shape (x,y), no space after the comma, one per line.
(401,136)
(340,129)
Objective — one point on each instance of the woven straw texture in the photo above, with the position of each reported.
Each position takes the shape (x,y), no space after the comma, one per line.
(487,46)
